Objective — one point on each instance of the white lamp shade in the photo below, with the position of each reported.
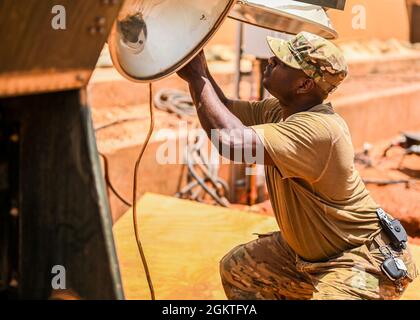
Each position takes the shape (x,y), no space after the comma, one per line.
(154,38)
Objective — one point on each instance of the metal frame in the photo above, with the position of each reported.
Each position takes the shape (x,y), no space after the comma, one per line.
(63,209)
(334,4)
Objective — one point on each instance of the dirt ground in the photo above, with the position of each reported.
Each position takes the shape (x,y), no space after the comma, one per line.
(401,200)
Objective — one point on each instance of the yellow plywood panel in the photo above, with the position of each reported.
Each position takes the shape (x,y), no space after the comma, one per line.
(413,291)
(183,242)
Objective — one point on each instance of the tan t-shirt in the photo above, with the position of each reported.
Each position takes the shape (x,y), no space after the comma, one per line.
(320,201)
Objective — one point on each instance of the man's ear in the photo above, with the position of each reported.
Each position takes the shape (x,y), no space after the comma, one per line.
(305,85)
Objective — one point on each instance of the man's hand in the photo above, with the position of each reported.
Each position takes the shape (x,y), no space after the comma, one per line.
(213,113)
(197,67)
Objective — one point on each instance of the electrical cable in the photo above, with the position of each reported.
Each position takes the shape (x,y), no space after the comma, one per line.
(108,125)
(109,183)
(194,158)
(176,102)
(135,222)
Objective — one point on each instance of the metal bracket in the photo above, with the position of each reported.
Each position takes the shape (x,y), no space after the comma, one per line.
(333,4)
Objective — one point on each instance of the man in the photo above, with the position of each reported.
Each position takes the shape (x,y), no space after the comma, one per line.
(331,244)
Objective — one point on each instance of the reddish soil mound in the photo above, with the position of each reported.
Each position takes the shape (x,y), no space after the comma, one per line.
(400,200)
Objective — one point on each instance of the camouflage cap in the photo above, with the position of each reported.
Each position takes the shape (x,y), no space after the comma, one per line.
(319,58)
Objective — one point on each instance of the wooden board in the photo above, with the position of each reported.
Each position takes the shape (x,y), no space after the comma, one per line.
(183,242)
(413,290)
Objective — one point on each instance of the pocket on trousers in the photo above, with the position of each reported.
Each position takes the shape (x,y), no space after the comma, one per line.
(412,271)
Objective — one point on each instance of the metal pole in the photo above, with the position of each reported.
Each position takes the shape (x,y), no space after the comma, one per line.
(238,51)
(237,81)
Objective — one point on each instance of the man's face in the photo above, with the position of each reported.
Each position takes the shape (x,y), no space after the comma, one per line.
(281,80)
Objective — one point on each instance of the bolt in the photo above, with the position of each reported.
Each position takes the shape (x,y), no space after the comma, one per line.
(109,2)
(100,30)
(14,138)
(92,30)
(80,78)
(14,212)
(100,21)
(13,283)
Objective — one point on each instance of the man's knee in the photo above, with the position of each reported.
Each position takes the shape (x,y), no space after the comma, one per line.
(231,266)
(227,263)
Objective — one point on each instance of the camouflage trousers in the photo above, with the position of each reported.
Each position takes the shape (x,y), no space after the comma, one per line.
(267,268)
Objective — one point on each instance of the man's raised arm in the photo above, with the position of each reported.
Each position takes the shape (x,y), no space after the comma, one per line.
(213,112)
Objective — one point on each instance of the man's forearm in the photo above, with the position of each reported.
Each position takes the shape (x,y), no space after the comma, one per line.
(214,114)
(211,110)
(231,135)
(218,90)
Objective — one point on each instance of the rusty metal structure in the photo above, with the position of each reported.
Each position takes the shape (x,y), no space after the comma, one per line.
(413,8)
(334,4)
(53,205)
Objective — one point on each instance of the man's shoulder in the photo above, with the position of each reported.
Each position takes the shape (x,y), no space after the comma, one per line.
(272,101)
(270,109)
(267,103)
(320,120)
(328,123)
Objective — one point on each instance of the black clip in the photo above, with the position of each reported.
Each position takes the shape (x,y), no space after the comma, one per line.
(394,230)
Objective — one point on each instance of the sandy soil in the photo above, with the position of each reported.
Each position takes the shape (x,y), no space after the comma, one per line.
(401,200)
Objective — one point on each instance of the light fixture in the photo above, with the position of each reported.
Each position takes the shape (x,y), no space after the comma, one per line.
(152,39)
